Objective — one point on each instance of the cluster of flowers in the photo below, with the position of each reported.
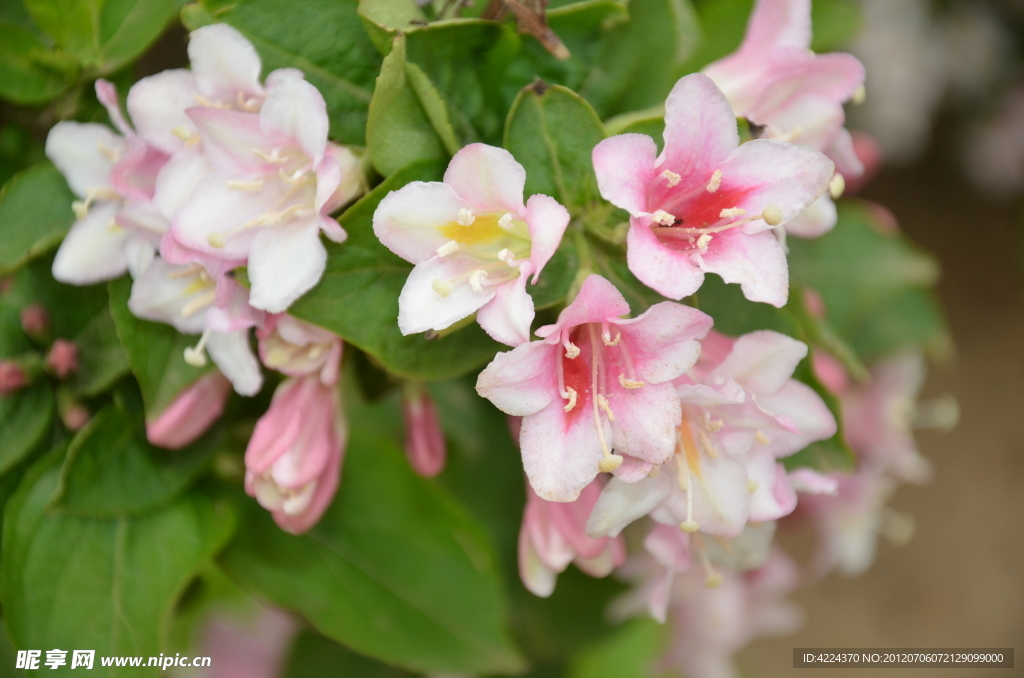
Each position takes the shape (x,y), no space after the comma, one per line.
(220,171)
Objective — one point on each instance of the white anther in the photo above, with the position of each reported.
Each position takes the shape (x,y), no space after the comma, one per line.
(837,186)
(183,133)
(859,95)
(466,217)
(195,357)
(216,240)
(663,218)
(477,279)
(114,227)
(450,247)
(703,241)
(81,209)
(506,256)
(762,438)
(202,301)
(614,342)
(441,286)
(671,177)
(752,485)
(730,212)
(714,425)
(602,402)
(273,158)
(107,152)
(294,179)
(609,463)
(571,350)
(689,526)
(203,101)
(571,396)
(716,181)
(505,221)
(248,186)
(629,383)
(772,215)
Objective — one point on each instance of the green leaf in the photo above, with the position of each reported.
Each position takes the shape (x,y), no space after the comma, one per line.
(834,23)
(101,360)
(25,417)
(723,23)
(314,656)
(633,651)
(128,27)
(552,132)
(556,279)
(734,314)
(24,79)
(107,585)
(35,213)
(325,39)
(875,284)
(74,26)
(400,129)
(358,297)
(394,570)
(111,470)
(155,353)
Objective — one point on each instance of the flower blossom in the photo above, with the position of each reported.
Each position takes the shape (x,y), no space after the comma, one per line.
(474,244)
(424,440)
(594,384)
(293,460)
(552,536)
(707,203)
(741,412)
(191,414)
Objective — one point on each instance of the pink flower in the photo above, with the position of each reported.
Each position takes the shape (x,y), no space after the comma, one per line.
(12,377)
(191,414)
(62,358)
(741,411)
(293,461)
(774,79)
(299,349)
(248,647)
(707,204)
(596,383)
(474,244)
(552,536)
(424,440)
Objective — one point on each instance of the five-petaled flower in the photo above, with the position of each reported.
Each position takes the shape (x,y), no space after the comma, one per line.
(474,244)
(594,384)
(707,203)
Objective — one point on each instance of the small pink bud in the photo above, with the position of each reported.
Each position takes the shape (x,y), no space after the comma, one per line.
(883,220)
(869,152)
(830,372)
(12,377)
(814,303)
(424,441)
(192,412)
(63,358)
(75,417)
(35,321)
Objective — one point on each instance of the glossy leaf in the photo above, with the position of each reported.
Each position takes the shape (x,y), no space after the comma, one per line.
(155,353)
(111,470)
(313,656)
(35,213)
(394,570)
(358,298)
(552,131)
(23,79)
(325,39)
(107,585)
(834,24)
(633,650)
(25,418)
(101,360)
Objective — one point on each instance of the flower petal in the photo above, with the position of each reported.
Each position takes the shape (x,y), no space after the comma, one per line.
(407,220)
(520,382)
(224,63)
(231,352)
(161,296)
(645,422)
(621,503)
(157,106)
(665,271)
(762,362)
(597,301)
(700,130)
(664,342)
(624,165)
(80,151)
(285,262)
(546,219)
(756,261)
(488,178)
(296,109)
(93,250)
(421,308)
(507,317)
(560,453)
(816,220)
(804,408)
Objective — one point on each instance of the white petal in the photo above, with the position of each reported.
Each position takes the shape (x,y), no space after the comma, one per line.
(421,308)
(621,503)
(285,262)
(157,106)
(75,148)
(296,109)
(233,355)
(507,317)
(224,62)
(94,248)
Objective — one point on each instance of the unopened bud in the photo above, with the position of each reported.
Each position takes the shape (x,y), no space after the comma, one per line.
(35,321)
(12,377)
(62,358)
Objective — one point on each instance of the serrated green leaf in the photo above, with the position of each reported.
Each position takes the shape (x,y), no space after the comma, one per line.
(394,570)
(25,417)
(552,132)
(357,298)
(106,585)
(35,213)
(155,352)
(24,79)
(112,471)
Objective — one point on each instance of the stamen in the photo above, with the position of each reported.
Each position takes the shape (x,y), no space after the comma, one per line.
(752,485)
(107,152)
(706,443)
(274,158)
(247,186)
(731,212)
(477,279)
(671,177)
(185,134)
(655,470)
(602,402)
(606,336)
(762,438)
(505,221)
(716,181)
(714,425)
(571,349)
(466,217)
(450,247)
(703,241)
(664,218)
(203,101)
(81,208)
(629,383)
(199,302)
(610,462)
(506,256)
(190,270)
(315,351)
(714,578)
(684,481)
(300,176)
(570,395)
(837,186)
(249,105)
(860,95)
(772,215)
(195,355)
(113,227)
(442,287)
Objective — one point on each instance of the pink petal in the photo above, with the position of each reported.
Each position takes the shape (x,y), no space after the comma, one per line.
(507,317)
(295,109)
(700,131)
(816,220)
(645,422)
(806,410)
(546,219)
(621,503)
(521,382)
(597,301)
(664,342)
(756,261)
(670,546)
(778,23)
(230,140)
(624,166)
(157,106)
(763,362)
(191,414)
(561,452)
(487,177)
(106,92)
(74,147)
(668,272)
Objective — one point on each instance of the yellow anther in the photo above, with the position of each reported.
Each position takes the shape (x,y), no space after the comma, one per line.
(664,218)
(837,186)
(671,177)
(602,402)
(762,438)
(610,463)
(247,186)
(571,396)
(450,247)
(629,383)
(716,181)
(772,215)
(730,212)
(441,286)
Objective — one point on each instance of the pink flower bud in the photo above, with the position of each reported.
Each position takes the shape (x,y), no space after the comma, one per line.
(74,417)
(253,647)
(63,358)
(830,372)
(298,349)
(814,303)
(424,441)
(293,461)
(35,321)
(869,152)
(553,535)
(12,377)
(192,412)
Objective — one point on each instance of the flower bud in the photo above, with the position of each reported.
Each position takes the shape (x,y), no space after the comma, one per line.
(62,358)
(192,412)
(35,321)
(424,441)
(12,377)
